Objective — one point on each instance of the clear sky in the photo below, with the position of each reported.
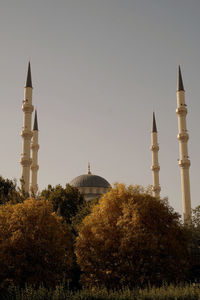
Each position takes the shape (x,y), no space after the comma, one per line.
(99,68)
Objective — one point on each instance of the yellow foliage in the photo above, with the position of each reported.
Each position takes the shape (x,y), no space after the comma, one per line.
(35,246)
(131,237)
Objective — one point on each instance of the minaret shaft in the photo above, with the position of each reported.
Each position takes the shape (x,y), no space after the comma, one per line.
(155,164)
(34,166)
(184,161)
(186,200)
(26,134)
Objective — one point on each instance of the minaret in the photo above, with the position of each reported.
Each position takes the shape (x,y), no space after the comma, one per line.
(155,165)
(26,134)
(183,137)
(34,165)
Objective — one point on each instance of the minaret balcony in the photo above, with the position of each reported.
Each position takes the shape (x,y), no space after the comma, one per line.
(35,147)
(184,163)
(183,137)
(26,134)
(26,107)
(155,168)
(182,110)
(154,148)
(25,162)
(34,167)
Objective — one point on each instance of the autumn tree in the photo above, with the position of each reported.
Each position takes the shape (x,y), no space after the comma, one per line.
(35,246)
(131,238)
(66,201)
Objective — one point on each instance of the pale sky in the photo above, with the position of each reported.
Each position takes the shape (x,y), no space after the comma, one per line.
(99,69)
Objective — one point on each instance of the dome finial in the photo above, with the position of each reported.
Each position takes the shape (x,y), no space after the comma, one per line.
(89,172)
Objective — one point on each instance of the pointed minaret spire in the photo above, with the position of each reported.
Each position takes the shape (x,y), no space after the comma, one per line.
(89,172)
(155,165)
(184,162)
(28,79)
(154,128)
(35,126)
(180,86)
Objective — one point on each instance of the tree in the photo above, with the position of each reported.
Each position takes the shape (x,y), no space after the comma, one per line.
(66,201)
(35,245)
(8,191)
(131,238)
(196,217)
(84,209)
(194,246)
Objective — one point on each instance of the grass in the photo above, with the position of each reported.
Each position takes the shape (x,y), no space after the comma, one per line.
(171,292)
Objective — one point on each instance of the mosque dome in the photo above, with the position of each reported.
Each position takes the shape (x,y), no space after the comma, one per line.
(91,186)
(90,180)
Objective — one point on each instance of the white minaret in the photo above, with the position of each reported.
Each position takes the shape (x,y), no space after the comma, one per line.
(183,137)
(26,134)
(155,165)
(34,165)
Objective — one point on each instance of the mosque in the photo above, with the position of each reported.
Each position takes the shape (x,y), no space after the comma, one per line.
(93,186)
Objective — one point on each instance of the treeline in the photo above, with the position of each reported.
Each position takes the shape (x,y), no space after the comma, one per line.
(127,238)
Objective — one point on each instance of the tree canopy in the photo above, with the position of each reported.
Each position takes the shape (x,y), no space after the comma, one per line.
(8,191)
(66,201)
(84,210)
(194,246)
(35,245)
(131,238)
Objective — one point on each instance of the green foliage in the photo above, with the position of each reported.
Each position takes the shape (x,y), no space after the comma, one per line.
(66,201)
(196,218)
(84,210)
(194,246)
(131,238)
(9,191)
